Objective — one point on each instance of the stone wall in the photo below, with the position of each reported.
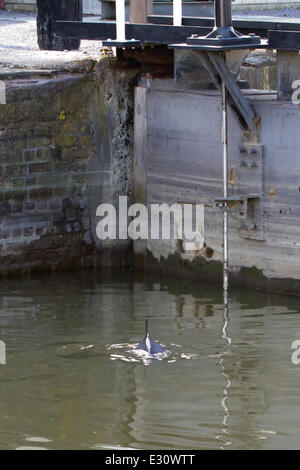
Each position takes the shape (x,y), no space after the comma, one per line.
(65,147)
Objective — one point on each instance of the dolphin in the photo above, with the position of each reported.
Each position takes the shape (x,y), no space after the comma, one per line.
(148,345)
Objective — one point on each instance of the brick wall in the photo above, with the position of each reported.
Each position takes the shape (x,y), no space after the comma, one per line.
(65,147)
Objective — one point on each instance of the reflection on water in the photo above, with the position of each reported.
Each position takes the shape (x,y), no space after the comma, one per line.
(73,379)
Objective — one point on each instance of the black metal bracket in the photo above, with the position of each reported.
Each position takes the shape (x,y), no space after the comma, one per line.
(238,103)
(223,39)
(121,44)
(238,204)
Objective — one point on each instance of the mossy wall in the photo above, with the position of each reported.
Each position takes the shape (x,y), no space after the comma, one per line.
(65,147)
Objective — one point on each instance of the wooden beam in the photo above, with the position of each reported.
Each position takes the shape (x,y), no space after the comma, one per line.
(139,10)
(245,26)
(50,10)
(140,167)
(147,33)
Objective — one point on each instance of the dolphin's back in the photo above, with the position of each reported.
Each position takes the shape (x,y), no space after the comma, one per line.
(156,347)
(150,346)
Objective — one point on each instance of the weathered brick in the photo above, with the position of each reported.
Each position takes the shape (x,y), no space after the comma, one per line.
(76,226)
(84,129)
(4,234)
(5,156)
(41,193)
(38,218)
(66,141)
(69,127)
(29,206)
(17,233)
(43,154)
(67,154)
(68,228)
(17,182)
(70,214)
(52,180)
(60,191)
(80,178)
(28,231)
(84,140)
(40,167)
(61,167)
(14,170)
(58,217)
(18,196)
(55,205)
(17,208)
(29,155)
(41,141)
(39,231)
(56,153)
(5,209)
(42,205)
(79,165)
(30,181)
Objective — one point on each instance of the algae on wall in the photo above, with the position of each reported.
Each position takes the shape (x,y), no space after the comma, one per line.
(65,147)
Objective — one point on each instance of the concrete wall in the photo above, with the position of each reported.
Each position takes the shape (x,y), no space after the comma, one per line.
(65,147)
(184,164)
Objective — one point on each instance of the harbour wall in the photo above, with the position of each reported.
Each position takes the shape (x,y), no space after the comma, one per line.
(65,147)
(70,141)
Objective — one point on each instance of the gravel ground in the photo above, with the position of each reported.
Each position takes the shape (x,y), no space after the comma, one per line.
(19,48)
(278,12)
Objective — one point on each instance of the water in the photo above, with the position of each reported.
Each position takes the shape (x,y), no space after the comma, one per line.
(73,380)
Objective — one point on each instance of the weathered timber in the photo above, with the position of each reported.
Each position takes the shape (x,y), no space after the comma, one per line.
(138,11)
(147,33)
(245,26)
(49,11)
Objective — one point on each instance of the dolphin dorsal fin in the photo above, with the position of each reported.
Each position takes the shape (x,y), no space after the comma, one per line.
(146,327)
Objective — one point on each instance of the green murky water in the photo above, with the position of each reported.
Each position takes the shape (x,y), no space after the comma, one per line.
(73,381)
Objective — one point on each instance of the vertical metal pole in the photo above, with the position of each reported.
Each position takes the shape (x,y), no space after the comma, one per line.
(223,14)
(120,20)
(225,185)
(177,12)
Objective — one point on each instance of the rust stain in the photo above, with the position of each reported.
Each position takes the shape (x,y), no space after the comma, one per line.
(233,179)
(272,192)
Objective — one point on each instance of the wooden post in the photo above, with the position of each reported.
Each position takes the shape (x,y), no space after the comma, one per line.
(140,167)
(51,10)
(1,4)
(139,10)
